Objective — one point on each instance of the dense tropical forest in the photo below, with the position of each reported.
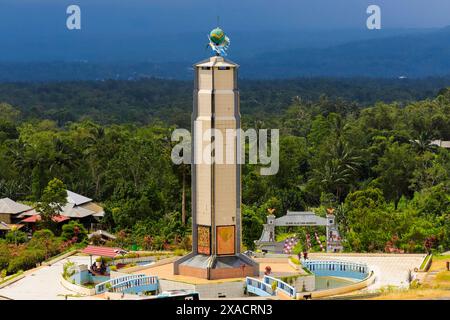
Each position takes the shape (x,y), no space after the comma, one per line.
(360,147)
(146,100)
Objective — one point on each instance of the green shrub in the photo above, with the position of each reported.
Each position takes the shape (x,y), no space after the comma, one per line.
(74,230)
(16,237)
(5,256)
(298,248)
(47,242)
(68,269)
(104,259)
(43,234)
(179,252)
(290,279)
(26,260)
(295,260)
(274,286)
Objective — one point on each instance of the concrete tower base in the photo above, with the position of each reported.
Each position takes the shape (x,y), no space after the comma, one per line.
(216,267)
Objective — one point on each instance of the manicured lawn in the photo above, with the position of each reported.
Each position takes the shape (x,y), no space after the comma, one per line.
(414,294)
(441,257)
(439,263)
(443,276)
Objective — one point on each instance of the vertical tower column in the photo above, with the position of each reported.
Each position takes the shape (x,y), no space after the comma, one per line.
(216,176)
(217,173)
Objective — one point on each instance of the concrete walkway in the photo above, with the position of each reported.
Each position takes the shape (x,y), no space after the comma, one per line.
(43,283)
(390,269)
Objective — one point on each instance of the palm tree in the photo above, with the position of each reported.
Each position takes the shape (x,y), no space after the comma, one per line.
(64,157)
(339,170)
(94,154)
(423,142)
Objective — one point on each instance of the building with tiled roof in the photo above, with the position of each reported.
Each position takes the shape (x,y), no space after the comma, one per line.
(77,207)
(11,210)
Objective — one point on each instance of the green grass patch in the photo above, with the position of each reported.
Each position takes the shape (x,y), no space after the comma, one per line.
(294,260)
(291,279)
(443,276)
(307,271)
(441,257)
(11,277)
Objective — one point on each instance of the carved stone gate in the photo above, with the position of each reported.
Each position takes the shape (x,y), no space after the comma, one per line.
(267,241)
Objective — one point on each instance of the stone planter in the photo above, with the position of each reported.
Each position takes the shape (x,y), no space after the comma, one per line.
(76,288)
(294,265)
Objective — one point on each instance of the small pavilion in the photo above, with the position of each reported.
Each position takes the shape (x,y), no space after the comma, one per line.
(103,252)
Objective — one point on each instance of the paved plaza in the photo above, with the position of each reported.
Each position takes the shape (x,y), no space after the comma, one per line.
(390,269)
(43,283)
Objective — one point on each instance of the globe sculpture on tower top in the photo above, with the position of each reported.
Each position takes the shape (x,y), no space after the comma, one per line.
(218,42)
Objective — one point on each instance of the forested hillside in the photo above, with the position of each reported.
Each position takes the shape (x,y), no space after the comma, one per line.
(372,161)
(144,101)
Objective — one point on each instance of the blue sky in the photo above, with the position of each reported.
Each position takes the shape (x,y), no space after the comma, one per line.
(175,16)
(35,30)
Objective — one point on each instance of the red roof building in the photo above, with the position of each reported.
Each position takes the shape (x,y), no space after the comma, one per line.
(103,251)
(37,218)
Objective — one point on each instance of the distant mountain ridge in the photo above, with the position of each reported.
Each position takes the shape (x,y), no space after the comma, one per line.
(413,55)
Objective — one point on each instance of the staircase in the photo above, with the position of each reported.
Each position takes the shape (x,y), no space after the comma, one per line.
(102,287)
(263,288)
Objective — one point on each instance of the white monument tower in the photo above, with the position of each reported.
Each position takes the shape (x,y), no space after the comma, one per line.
(216,183)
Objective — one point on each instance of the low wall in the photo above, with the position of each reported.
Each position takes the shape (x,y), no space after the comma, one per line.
(217,274)
(117,274)
(59,258)
(121,296)
(11,281)
(341,290)
(356,254)
(133,260)
(272,259)
(84,276)
(334,268)
(167,285)
(156,264)
(306,282)
(76,288)
(294,265)
(229,289)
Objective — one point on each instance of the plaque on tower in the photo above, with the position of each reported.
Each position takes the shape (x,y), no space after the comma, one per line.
(204,240)
(225,240)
